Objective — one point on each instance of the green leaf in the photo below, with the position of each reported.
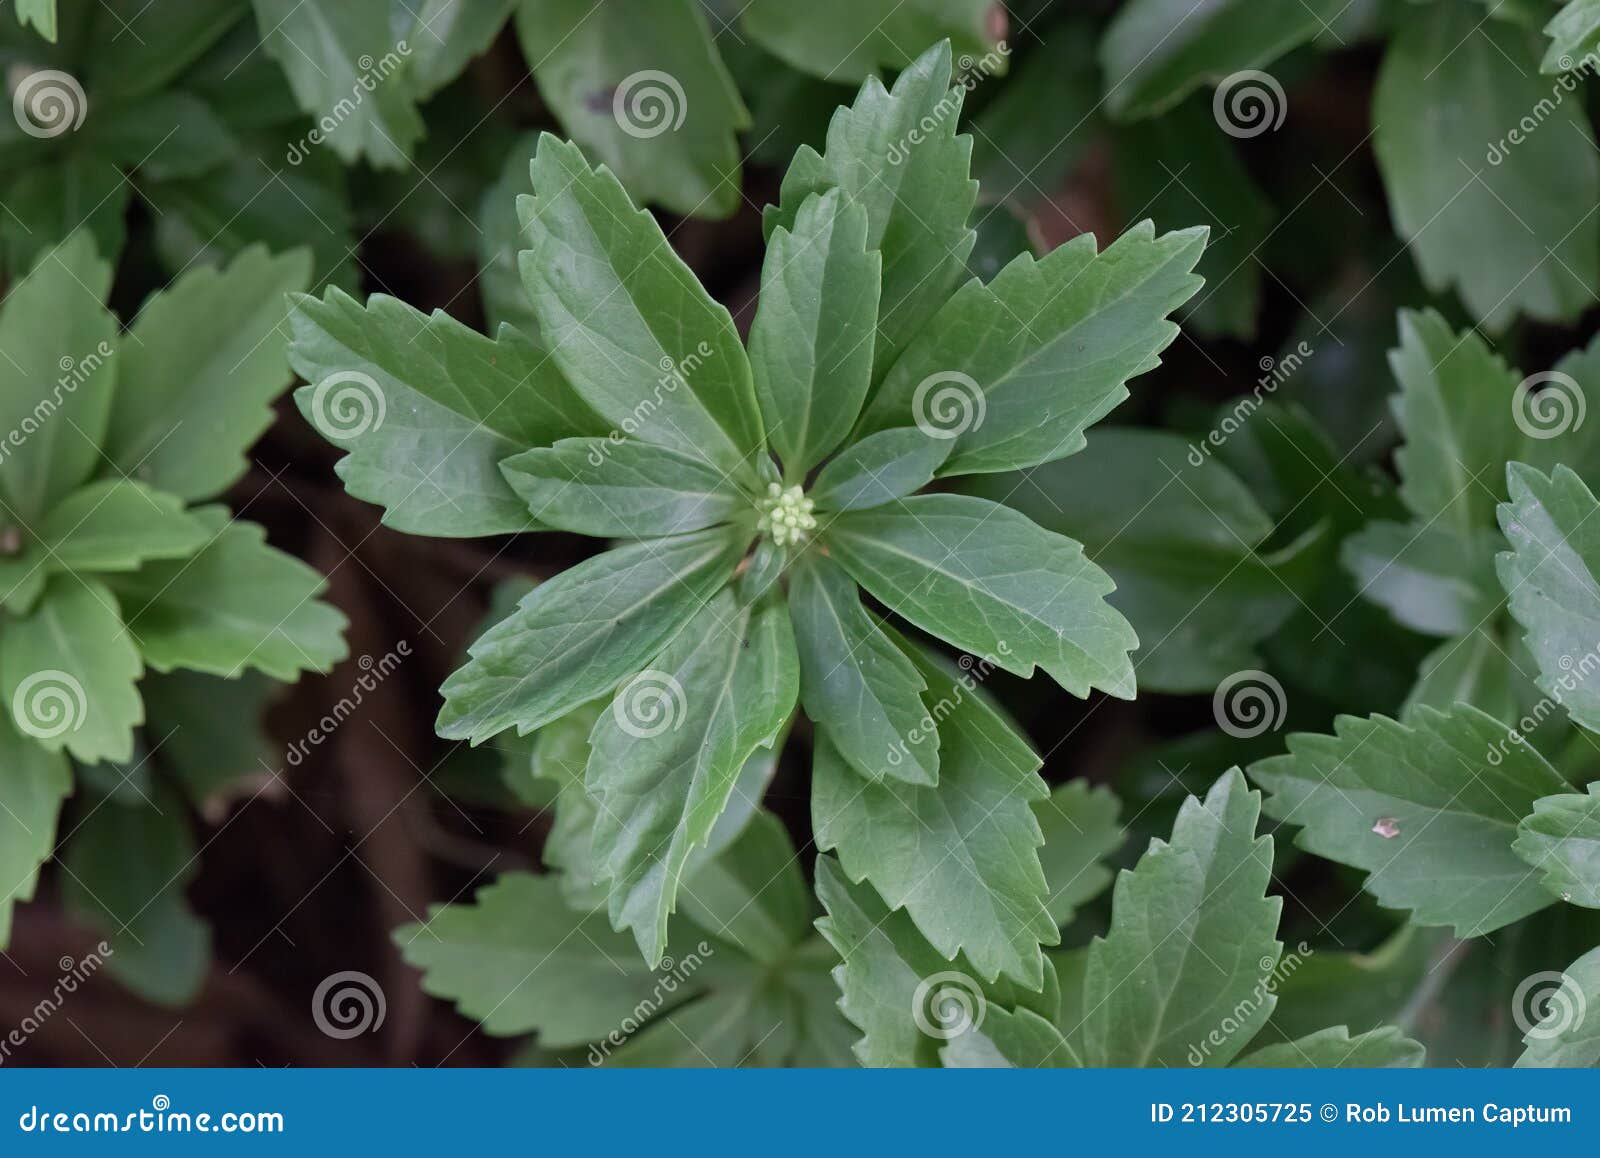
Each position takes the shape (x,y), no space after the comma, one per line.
(1431,577)
(519,960)
(641,87)
(47,202)
(345,66)
(961,858)
(1506,223)
(1182,977)
(1180,542)
(625,488)
(126,866)
(1080,830)
(1574,34)
(1016,370)
(69,671)
(500,240)
(1355,989)
(33,783)
(560,755)
(1334,1048)
(1566,1034)
(1156,52)
(878,469)
(1549,576)
(166,136)
(989,581)
(1561,838)
(846,42)
(56,378)
(203,362)
(208,733)
(1009,1038)
(859,689)
(428,409)
(114,526)
(896,154)
(812,339)
(582,633)
(446,35)
(667,755)
(626,320)
(1429,808)
(237,604)
(42,15)
(753,894)
(135,52)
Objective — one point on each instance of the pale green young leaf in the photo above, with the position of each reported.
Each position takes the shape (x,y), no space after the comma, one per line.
(199,371)
(1567,1034)
(666,756)
(1508,225)
(428,409)
(859,689)
(911,179)
(642,88)
(1551,576)
(627,321)
(1080,830)
(69,672)
(1561,838)
(1574,34)
(115,525)
(628,489)
(879,468)
(1334,1048)
(1431,576)
(518,960)
(845,42)
(1016,370)
(238,603)
(1428,808)
(33,783)
(56,378)
(1192,942)
(813,335)
(41,14)
(993,583)
(341,56)
(582,633)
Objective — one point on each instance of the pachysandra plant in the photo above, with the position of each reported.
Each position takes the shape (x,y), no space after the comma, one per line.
(752,491)
(115,559)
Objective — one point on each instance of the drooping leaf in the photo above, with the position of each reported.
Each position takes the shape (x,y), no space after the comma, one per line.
(33,783)
(1428,808)
(993,583)
(1561,838)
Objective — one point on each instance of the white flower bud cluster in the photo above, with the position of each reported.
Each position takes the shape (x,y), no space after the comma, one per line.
(786,515)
